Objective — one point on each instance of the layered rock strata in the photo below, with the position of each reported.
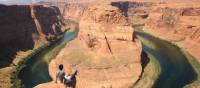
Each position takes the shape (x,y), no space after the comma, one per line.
(136,12)
(74,11)
(106,52)
(24,28)
(178,23)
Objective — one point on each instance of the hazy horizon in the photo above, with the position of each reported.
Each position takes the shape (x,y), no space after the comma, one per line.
(25,1)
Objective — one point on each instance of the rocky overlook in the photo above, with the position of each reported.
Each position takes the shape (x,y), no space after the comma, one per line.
(106,50)
(117,44)
(105,32)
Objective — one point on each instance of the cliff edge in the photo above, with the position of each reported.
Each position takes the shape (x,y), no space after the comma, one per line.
(23,29)
(106,52)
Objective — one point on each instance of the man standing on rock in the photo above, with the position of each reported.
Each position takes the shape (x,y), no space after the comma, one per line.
(60,73)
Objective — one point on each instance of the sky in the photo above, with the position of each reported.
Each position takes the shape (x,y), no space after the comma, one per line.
(16,1)
(24,1)
(21,1)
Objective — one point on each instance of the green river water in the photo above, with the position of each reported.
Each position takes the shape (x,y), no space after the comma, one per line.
(176,71)
(36,70)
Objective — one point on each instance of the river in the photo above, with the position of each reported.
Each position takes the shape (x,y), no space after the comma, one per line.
(36,70)
(176,71)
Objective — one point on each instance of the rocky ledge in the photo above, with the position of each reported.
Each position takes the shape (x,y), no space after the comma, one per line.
(106,52)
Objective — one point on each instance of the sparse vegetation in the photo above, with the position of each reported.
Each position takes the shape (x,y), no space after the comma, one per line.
(196,67)
(138,26)
(16,82)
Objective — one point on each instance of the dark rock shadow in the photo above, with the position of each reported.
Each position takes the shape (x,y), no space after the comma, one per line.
(144,61)
(16,29)
(123,6)
(48,17)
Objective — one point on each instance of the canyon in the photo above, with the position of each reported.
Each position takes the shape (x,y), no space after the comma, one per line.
(107,50)
(25,28)
(177,23)
(36,24)
(104,52)
(137,13)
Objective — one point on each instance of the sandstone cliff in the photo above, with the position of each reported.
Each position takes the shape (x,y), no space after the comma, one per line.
(100,24)
(106,52)
(74,11)
(24,28)
(178,23)
(105,34)
(136,12)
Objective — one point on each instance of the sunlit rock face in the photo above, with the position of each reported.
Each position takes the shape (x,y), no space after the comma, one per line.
(74,11)
(106,51)
(102,26)
(109,43)
(175,20)
(177,23)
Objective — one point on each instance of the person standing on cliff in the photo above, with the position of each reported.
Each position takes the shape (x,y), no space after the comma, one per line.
(60,74)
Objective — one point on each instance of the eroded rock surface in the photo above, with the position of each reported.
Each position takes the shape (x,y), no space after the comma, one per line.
(74,11)
(136,12)
(178,24)
(24,28)
(106,52)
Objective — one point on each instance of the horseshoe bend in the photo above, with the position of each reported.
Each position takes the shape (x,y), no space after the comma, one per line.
(100,44)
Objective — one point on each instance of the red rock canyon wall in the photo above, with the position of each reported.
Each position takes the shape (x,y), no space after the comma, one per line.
(24,27)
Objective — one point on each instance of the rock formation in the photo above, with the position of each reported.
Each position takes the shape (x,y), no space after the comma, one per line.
(105,34)
(178,23)
(136,12)
(74,11)
(24,28)
(106,52)
(102,24)
(172,20)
